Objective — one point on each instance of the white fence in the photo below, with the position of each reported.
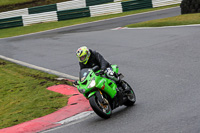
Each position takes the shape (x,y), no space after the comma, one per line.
(71,5)
(158,3)
(106,9)
(39,18)
(14,13)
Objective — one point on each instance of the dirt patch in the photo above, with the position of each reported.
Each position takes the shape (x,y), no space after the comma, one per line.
(2,63)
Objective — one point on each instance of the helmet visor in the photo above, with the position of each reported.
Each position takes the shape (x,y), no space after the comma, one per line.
(82,58)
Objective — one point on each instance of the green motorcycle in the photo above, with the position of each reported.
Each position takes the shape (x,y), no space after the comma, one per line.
(104,94)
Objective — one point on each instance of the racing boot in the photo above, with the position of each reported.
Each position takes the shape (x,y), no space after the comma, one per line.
(119,97)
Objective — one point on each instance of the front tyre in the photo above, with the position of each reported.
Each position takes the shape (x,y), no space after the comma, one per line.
(101,109)
(131,98)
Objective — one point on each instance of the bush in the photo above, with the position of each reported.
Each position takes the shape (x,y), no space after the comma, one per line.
(190,6)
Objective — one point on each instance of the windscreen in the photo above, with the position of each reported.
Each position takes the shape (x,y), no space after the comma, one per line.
(83,74)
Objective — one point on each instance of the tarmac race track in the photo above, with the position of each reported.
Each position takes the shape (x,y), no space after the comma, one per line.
(161,64)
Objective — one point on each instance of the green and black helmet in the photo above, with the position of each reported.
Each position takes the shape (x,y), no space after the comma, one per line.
(83,54)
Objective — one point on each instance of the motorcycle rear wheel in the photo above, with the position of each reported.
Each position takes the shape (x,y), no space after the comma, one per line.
(102,110)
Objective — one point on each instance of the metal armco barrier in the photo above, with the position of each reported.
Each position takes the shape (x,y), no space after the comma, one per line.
(74,9)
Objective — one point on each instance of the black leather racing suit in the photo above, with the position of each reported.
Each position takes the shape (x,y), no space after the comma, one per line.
(95,59)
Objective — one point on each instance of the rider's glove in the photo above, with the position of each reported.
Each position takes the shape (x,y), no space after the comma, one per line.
(101,72)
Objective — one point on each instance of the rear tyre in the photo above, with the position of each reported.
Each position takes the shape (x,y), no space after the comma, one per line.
(102,110)
(131,98)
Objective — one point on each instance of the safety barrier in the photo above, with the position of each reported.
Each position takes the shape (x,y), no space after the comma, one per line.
(105,9)
(75,9)
(11,22)
(71,5)
(136,4)
(14,13)
(41,9)
(97,2)
(39,18)
(158,3)
(74,13)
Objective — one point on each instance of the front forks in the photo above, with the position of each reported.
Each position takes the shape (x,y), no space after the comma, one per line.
(100,97)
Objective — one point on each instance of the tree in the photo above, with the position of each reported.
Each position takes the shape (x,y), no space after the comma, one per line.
(190,6)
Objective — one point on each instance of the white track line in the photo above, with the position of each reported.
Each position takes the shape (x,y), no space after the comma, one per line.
(72,120)
(39,68)
(76,117)
(163,27)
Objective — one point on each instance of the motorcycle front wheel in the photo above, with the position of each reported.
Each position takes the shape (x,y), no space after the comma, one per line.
(131,98)
(101,109)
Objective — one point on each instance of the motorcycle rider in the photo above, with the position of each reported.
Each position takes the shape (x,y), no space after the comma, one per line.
(89,58)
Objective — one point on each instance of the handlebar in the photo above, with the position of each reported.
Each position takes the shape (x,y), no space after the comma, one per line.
(95,68)
(99,73)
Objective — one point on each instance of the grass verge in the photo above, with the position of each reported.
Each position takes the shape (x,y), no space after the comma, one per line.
(23,94)
(52,25)
(185,19)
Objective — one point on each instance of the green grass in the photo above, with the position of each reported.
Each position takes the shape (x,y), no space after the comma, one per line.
(23,94)
(185,19)
(52,25)
(9,2)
